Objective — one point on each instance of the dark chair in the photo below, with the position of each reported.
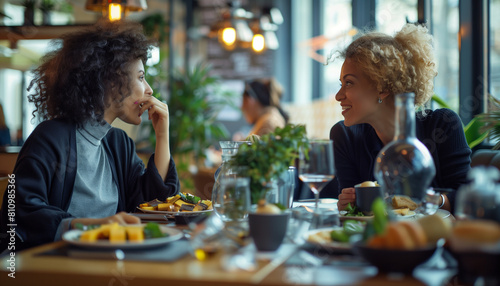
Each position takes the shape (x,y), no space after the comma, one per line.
(486,157)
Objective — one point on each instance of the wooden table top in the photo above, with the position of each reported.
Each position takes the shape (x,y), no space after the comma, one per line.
(35,267)
(31,268)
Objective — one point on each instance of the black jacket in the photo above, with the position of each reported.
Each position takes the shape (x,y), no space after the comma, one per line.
(45,175)
(441,131)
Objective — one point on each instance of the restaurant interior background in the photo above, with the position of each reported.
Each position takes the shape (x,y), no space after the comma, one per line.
(466,34)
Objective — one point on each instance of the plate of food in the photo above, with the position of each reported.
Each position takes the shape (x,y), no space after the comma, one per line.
(322,238)
(182,204)
(115,236)
(404,213)
(335,238)
(353,213)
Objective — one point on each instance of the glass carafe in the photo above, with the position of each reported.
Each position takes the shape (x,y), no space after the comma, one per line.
(229,149)
(405,167)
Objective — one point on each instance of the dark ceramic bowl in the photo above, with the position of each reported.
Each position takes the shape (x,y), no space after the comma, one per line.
(365,197)
(392,260)
(475,263)
(268,230)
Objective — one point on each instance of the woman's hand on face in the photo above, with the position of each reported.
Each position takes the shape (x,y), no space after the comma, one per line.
(157,113)
(347,196)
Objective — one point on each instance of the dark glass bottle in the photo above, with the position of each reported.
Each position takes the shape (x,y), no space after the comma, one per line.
(405,166)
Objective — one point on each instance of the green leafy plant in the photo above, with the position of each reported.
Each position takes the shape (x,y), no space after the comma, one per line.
(195,102)
(47,5)
(489,124)
(478,129)
(270,156)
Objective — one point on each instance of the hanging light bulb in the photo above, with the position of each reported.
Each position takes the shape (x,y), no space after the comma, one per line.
(258,43)
(114,11)
(228,36)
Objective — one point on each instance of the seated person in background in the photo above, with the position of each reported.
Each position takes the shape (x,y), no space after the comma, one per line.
(4,130)
(74,167)
(261,106)
(376,68)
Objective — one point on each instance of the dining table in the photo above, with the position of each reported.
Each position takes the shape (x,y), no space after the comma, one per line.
(61,263)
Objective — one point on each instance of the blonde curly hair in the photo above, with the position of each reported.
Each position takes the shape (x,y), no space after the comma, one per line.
(403,63)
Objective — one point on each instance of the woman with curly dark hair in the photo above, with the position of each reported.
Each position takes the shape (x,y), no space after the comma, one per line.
(74,167)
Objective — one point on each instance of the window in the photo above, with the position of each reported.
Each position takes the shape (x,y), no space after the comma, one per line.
(337,27)
(445,26)
(392,15)
(494,60)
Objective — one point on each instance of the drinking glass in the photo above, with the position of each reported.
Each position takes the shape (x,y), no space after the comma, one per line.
(430,203)
(316,166)
(232,203)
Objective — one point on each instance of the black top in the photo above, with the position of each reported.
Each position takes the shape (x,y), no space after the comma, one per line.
(441,131)
(45,175)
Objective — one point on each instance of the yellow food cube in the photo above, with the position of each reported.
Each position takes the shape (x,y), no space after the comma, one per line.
(164,207)
(144,205)
(105,228)
(208,203)
(173,199)
(117,234)
(90,235)
(148,208)
(179,203)
(135,233)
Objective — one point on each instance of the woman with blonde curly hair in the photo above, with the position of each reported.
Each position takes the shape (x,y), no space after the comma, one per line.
(376,68)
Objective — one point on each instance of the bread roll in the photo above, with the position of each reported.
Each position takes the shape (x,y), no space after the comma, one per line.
(479,231)
(399,202)
(415,231)
(434,227)
(398,237)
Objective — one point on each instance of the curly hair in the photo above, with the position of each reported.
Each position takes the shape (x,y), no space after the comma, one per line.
(75,81)
(403,63)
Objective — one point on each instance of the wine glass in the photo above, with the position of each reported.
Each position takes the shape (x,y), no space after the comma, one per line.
(316,166)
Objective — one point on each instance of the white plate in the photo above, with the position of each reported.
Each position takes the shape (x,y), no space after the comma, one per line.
(409,215)
(443,213)
(73,237)
(343,217)
(173,214)
(328,245)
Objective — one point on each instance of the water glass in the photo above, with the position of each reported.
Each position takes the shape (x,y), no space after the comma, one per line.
(286,194)
(232,203)
(325,218)
(430,203)
(299,223)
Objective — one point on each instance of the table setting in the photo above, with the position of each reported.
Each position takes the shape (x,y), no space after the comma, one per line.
(252,232)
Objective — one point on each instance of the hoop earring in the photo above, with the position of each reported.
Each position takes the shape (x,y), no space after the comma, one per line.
(379,100)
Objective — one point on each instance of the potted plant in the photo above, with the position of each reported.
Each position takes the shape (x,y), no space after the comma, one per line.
(46,6)
(479,128)
(266,159)
(29,12)
(195,102)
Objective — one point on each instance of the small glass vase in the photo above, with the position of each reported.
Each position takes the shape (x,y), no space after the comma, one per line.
(405,166)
